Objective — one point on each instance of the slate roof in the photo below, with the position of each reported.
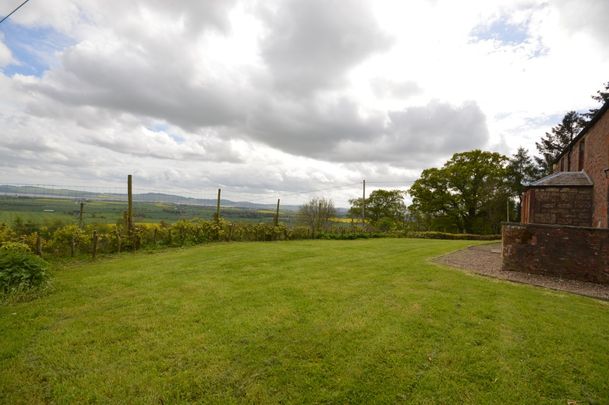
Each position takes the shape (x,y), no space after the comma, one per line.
(564,179)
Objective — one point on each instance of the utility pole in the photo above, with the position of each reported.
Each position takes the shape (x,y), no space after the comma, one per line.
(364,203)
(277,213)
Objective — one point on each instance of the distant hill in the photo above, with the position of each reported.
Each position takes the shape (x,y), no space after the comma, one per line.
(35,191)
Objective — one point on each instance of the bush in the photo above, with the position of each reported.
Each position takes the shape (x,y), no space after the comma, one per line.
(445,235)
(21,271)
(15,247)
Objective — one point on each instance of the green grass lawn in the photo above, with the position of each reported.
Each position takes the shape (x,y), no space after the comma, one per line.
(367,321)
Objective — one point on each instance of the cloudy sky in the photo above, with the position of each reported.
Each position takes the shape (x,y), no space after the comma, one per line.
(276,97)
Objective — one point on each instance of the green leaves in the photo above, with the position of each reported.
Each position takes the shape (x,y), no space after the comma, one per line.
(384,208)
(21,271)
(463,190)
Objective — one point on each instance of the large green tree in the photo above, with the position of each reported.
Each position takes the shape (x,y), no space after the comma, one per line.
(555,141)
(384,208)
(464,191)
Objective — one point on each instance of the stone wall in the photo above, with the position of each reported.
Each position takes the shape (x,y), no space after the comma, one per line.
(565,251)
(595,162)
(558,205)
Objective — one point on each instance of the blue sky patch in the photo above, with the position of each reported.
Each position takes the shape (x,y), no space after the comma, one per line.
(163,127)
(503,31)
(35,49)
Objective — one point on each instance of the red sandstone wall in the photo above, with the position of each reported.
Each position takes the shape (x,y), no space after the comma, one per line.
(558,205)
(595,162)
(568,252)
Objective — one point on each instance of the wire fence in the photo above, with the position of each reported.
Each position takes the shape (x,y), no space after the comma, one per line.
(107,204)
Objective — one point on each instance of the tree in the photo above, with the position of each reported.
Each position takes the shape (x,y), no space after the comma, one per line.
(316,214)
(384,208)
(463,190)
(555,141)
(601,96)
(521,170)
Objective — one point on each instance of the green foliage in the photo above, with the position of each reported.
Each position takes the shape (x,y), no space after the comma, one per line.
(464,192)
(554,142)
(385,209)
(449,236)
(21,271)
(63,238)
(15,247)
(521,170)
(7,234)
(316,214)
(601,96)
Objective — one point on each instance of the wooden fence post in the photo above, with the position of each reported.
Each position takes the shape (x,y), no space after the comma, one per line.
(38,245)
(364,204)
(81,222)
(94,242)
(130,203)
(277,213)
(72,246)
(118,241)
(218,206)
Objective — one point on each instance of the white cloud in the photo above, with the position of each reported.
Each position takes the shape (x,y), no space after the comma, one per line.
(6,56)
(295,95)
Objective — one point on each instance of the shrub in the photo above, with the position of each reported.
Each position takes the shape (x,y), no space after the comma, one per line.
(445,235)
(15,247)
(21,271)
(6,233)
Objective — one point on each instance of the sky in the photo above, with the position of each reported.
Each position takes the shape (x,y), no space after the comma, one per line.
(279,98)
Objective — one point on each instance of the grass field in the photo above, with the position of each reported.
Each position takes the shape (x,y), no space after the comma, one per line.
(367,321)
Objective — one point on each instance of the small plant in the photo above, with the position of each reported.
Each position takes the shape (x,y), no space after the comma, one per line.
(22,274)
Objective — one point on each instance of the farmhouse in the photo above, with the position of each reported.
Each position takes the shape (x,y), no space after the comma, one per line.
(564,229)
(577,193)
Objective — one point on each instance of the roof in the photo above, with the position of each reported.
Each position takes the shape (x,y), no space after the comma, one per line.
(584,131)
(564,179)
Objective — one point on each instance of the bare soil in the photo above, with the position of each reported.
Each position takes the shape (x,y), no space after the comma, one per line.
(486,260)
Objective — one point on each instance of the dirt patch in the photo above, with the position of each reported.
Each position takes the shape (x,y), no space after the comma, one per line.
(486,260)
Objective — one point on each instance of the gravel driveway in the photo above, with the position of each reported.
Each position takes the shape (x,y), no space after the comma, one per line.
(486,260)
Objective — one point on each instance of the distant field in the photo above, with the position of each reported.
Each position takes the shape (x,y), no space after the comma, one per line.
(47,210)
(367,321)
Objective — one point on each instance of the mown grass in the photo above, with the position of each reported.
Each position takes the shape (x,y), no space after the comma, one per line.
(366,321)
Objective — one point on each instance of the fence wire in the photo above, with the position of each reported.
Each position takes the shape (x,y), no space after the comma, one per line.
(97,204)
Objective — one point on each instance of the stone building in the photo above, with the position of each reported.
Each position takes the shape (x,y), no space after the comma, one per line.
(564,229)
(577,193)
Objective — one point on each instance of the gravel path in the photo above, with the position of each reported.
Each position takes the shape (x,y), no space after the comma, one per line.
(486,260)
